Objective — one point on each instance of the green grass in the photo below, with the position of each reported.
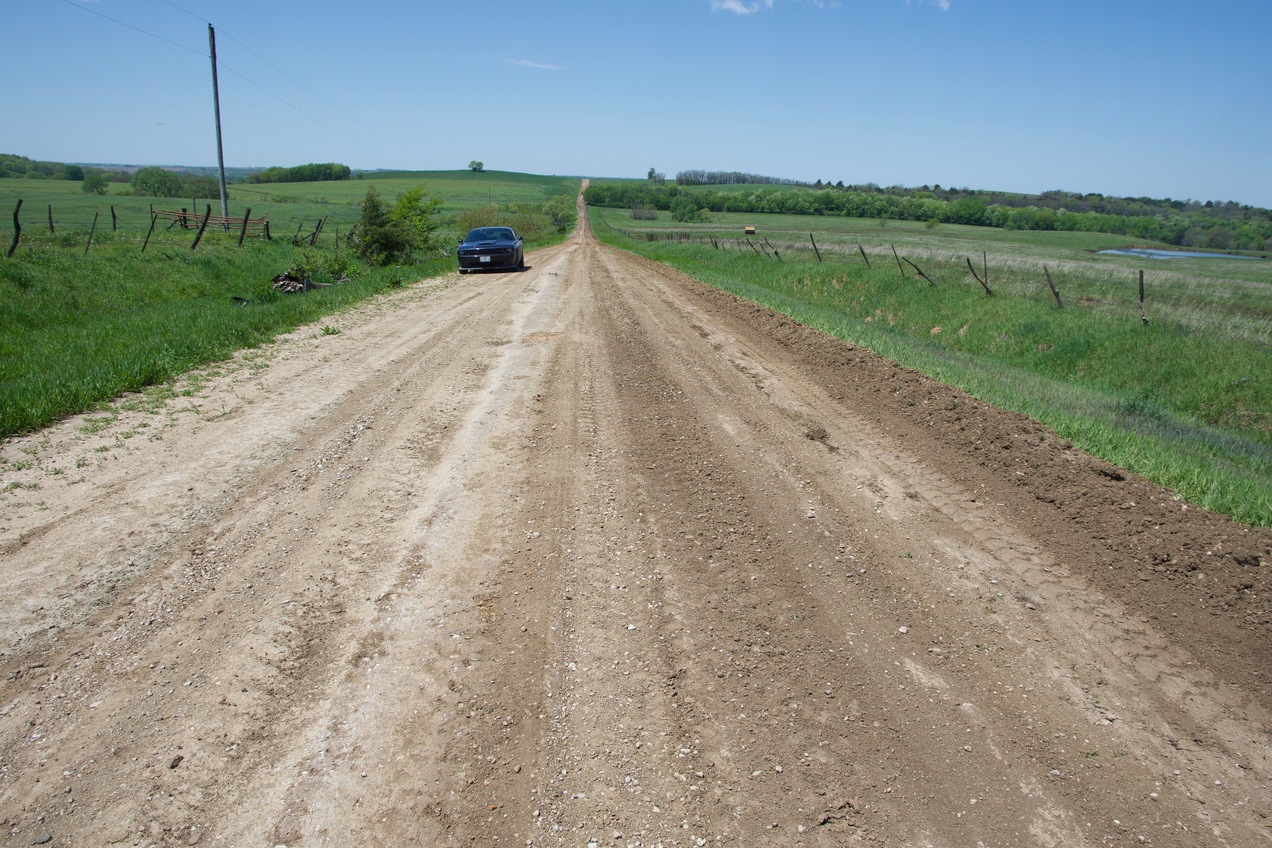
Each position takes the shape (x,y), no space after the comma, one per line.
(1185,400)
(78,328)
(289,206)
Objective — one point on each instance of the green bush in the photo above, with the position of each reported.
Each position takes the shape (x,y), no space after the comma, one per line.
(401,233)
(529,220)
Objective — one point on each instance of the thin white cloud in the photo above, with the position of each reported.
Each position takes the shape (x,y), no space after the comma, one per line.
(526,63)
(739,7)
(943,5)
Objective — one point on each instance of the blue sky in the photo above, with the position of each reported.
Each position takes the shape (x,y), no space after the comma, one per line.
(1121,97)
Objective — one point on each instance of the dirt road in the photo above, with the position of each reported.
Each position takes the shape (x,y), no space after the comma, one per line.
(592,555)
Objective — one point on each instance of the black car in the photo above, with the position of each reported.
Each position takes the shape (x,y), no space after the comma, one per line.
(491,247)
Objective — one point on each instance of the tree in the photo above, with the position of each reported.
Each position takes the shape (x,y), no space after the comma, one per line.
(656,177)
(157,182)
(686,209)
(377,239)
(397,234)
(1219,238)
(562,212)
(95,182)
(200,186)
(311,173)
(413,212)
(476,167)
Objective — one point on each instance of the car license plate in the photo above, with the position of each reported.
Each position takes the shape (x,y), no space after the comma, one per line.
(485,259)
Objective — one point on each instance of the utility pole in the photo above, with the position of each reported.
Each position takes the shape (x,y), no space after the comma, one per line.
(216,105)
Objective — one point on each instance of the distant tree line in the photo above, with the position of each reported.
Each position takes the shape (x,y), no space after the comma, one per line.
(95,180)
(687,178)
(20,166)
(154,181)
(1222,226)
(311,173)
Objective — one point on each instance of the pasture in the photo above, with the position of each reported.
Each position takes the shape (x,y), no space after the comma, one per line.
(290,206)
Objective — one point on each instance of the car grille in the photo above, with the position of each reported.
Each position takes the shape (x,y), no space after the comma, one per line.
(486,251)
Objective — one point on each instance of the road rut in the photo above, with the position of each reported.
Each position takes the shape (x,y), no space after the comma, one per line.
(595,555)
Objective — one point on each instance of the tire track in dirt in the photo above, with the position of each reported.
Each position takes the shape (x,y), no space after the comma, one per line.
(596,555)
(1029,586)
(251,615)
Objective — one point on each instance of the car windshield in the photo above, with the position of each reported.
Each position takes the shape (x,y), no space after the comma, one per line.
(490,234)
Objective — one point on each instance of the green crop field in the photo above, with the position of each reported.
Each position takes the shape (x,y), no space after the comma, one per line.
(1185,399)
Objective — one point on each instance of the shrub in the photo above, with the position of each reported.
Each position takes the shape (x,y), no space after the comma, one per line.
(531,221)
(404,232)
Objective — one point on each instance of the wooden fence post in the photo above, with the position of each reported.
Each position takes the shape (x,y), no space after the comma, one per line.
(815,250)
(863,254)
(984,284)
(920,270)
(1054,290)
(202,226)
(243,229)
(17,228)
(900,267)
(51,230)
(153,218)
(91,230)
(1143,314)
(114,222)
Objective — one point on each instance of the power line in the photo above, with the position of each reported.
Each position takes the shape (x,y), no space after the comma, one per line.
(185,12)
(316,94)
(248,79)
(137,29)
(370,129)
(306,114)
(225,34)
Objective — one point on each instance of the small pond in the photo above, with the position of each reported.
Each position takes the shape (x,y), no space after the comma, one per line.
(1171,254)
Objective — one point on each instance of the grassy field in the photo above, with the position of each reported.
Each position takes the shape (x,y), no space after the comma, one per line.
(289,205)
(78,330)
(1185,400)
(80,326)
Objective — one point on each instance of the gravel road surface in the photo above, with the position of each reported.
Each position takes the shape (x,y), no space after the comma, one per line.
(595,555)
